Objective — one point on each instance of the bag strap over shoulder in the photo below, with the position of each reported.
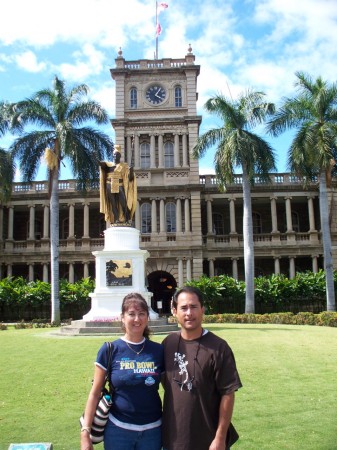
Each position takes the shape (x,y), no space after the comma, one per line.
(109,369)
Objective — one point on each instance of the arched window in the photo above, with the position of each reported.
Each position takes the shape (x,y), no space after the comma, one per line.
(257,223)
(145,217)
(145,156)
(101,227)
(218,224)
(171,217)
(37,229)
(178,100)
(168,154)
(133,97)
(65,228)
(296,221)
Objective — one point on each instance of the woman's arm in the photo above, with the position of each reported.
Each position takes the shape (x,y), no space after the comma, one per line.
(90,409)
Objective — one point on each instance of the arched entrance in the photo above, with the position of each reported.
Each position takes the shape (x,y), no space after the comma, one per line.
(163,286)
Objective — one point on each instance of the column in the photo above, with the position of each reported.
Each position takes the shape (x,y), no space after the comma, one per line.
(136,150)
(71,273)
(187,215)
(10,222)
(71,233)
(45,272)
(288,214)
(160,151)
(152,151)
(273,215)
(176,151)
(162,224)
(315,264)
(209,216)
(211,267)
(85,270)
(178,216)
(1,224)
(31,222)
(185,153)
(277,270)
(129,150)
(291,267)
(188,269)
(235,268)
(86,220)
(180,272)
(31,272)
(232,215)
(154,215)
(311,214)
(45,221)
(10,270)
(137,217)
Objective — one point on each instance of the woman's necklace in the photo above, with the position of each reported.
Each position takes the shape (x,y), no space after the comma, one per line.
(134,351)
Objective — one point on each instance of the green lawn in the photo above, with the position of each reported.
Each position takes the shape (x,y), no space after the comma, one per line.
(288,400)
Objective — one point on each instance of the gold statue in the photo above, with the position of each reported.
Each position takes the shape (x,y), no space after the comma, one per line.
(118,190)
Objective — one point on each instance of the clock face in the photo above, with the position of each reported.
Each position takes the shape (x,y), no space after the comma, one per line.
(155,94)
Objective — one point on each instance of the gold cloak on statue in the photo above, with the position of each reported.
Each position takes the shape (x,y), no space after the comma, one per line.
(121,172)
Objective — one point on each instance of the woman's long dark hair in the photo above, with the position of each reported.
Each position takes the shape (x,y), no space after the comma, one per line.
(137,300)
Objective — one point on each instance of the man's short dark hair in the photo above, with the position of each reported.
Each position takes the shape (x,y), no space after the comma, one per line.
(187,290)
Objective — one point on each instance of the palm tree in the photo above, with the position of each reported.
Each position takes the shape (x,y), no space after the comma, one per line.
(313,112)
(7,166)
(61,116)
(237,146)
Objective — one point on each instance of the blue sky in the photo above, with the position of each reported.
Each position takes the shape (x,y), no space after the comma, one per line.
(239,44)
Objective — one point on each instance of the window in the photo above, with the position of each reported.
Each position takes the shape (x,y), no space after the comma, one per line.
(171,217)
(218,224)
(145,217)
(64,228)
(257,223)
(168,154)
(145,156)
(178,100)
(296,221)
(133,98)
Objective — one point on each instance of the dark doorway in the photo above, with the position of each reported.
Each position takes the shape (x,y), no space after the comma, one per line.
(163,286)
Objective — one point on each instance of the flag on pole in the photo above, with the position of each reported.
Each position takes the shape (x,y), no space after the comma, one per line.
(160,7)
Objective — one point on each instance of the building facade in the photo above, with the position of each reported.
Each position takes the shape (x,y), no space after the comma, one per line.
(187,225)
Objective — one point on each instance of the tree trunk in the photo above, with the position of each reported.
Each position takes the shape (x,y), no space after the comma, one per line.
(327,247)
(54,247)
(248,242)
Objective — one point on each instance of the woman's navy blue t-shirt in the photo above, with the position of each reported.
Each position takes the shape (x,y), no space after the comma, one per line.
(136,379)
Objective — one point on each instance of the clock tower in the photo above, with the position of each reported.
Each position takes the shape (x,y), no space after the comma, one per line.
(157,125)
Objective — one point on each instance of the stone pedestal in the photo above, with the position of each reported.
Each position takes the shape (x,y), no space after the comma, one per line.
(120,269)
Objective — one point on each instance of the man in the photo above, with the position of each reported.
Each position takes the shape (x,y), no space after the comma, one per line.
(118,190)
(200,380)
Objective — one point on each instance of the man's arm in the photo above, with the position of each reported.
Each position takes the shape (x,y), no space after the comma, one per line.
(225,416)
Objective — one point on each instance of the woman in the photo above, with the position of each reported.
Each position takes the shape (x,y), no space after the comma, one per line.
(137,364)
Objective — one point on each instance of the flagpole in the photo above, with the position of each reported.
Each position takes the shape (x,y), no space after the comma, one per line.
(156,54)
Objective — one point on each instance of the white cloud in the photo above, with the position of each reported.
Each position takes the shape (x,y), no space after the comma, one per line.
(87,62)
(28,61)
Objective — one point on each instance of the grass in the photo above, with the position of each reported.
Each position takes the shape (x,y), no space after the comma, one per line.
(288,399)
